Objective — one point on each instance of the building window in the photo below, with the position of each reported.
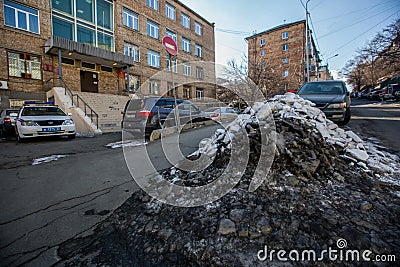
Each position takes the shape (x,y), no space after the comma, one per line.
(285,73)
(154,87)
(66,6)
(199,93)
(172,63)
(106,69)
(285,47)
(105,14)
(153,4)
(285,60)
(185,45)
(153,29)
(199,73)
(171,34)
(187,69)
(21,17)
(198,28)
(262,42)
(88,65)
(285,35)
(24,66)
(186,92)
(132,51)
(185,21)
(153,59)
(68,61)
(170,11)
(134,83)
(172,89)
(199,51)
(263,53)
(88,22)
(130,19)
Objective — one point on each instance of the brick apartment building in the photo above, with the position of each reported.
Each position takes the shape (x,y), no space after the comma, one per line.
(98,42)
(282,50)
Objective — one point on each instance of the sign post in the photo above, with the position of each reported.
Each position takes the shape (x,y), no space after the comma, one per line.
(172,49)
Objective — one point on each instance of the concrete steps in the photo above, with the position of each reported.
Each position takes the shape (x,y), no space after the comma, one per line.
(108,107)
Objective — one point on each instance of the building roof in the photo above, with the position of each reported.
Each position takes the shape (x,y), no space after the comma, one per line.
(195,13)
(286,25)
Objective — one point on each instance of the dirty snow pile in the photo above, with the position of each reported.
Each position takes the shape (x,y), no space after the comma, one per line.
(324,184)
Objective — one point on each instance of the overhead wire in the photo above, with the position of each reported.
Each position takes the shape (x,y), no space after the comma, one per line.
(358,36)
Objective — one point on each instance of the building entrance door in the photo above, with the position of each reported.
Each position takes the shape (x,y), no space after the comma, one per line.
(89,81)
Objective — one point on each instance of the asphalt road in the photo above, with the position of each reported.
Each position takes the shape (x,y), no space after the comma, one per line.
(43,205)
(377,120)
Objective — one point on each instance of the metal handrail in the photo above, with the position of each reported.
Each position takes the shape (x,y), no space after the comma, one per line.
(86,107)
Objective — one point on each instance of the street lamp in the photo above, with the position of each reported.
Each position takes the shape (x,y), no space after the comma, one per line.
(327,65)
(307,56)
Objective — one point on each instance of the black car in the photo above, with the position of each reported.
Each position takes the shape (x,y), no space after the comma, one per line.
(7,121)
(332,97)
(147,114)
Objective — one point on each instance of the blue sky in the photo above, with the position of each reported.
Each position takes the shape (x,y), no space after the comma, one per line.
(340,26)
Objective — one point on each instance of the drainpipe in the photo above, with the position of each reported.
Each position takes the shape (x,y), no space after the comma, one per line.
(60,67)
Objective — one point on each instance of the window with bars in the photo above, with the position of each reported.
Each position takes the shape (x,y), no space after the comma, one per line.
(24,66)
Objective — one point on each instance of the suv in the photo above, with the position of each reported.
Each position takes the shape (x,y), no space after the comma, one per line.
(43,119)
(148,114)
(7,121)
(332,97)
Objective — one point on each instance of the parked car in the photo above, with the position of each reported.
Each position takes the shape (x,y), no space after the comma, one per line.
(332,97)
(7,121)
(148,114)
(222,113)
(394,91)
(375,94)
(43,119)
(364,93)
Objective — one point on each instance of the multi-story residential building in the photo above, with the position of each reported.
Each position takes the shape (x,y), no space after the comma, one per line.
(91,45)
(282,51)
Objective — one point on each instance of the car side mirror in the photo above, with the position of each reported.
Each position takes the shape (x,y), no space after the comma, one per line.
(69,114)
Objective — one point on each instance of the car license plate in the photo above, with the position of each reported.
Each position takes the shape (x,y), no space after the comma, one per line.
(51,129)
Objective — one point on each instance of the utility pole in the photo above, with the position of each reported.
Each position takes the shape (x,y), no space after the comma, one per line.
(307,65)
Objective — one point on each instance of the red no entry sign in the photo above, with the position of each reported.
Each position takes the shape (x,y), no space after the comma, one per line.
(170,45)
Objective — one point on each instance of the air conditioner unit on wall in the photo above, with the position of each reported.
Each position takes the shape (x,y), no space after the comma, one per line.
(3,85)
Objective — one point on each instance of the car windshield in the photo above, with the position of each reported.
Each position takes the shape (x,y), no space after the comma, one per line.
(42,111)
(321,88)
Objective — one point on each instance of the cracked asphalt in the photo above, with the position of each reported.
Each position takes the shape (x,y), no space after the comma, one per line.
(46,204)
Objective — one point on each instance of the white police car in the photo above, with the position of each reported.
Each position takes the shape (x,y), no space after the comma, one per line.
(43,119)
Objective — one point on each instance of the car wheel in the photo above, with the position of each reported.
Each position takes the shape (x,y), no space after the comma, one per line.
(71,136)
(347,118)
(20,139)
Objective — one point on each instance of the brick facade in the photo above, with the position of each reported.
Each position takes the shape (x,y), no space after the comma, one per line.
(114,82)
(279,60)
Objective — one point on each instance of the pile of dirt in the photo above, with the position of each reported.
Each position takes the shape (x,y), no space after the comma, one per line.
(325,184)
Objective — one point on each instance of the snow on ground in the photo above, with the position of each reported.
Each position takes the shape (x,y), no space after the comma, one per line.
(127,143)
(47,159)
